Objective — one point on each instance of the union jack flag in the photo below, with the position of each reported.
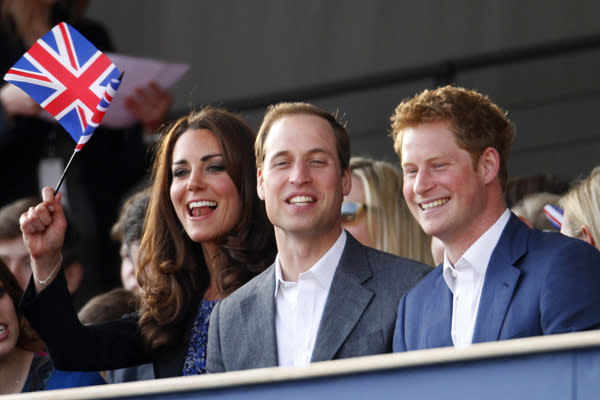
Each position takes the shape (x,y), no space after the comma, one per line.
(68,77)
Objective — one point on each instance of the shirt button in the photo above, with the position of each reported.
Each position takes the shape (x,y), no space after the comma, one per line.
(454,274)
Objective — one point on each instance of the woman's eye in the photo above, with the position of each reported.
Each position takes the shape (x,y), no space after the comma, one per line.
(178,173)
(216,168)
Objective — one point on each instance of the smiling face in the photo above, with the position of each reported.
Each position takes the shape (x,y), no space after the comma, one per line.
(301,180)
(9,324)
(205,199)
(444,191)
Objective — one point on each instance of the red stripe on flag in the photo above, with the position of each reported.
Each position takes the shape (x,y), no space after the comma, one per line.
(78,87)
(68,44)
(31,75)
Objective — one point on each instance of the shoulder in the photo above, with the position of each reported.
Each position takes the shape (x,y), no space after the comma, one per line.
(556,248)
(258,284)
(390,264)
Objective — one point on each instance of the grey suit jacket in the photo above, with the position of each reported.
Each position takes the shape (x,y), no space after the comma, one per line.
(358,318)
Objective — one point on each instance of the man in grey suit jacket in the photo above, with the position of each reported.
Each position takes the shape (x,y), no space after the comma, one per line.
(326,296)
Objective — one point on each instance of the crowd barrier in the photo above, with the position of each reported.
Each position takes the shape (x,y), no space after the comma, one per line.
(564,367)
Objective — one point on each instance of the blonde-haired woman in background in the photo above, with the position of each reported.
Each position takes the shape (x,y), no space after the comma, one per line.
(581,207)
(375,212)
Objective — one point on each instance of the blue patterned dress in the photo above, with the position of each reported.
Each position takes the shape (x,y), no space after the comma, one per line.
(195,358)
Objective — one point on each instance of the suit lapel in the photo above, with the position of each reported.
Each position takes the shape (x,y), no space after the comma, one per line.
(346,301)
(260,325)
(438,311)
(500,282)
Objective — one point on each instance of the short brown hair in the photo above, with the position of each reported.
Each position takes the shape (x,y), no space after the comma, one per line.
(476,122)
(10,227)
(280,110)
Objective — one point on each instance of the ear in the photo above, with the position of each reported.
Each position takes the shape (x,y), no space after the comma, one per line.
(346,182)
(587,235)
(259,184)
(489,164)
(74,276)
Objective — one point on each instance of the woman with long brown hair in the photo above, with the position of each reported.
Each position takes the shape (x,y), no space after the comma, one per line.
(206,233)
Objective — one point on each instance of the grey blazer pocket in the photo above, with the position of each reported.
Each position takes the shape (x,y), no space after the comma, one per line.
(364,344)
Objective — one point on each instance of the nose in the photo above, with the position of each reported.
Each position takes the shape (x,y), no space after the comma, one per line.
(300,173)
(422,182)
(195,181)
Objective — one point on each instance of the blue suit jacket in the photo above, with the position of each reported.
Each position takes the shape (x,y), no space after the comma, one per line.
(537,283)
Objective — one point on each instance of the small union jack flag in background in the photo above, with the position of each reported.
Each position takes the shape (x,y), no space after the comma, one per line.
(68,77)
(554,214)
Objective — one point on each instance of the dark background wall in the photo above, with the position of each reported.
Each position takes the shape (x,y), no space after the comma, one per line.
(262,49)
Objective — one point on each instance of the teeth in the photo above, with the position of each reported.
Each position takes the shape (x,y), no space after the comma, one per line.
(2,329)
(301,200)
(203,203)
(435,203)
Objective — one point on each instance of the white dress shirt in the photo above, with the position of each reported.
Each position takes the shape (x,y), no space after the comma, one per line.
(465,280)
(299,306)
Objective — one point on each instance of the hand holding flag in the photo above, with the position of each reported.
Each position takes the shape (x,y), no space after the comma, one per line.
(69,78)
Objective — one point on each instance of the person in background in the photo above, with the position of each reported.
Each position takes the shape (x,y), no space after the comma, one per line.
(109,306)
(14,253)
(24,366)
(206,233)
(128,231)
(96,180)
(531,210)
(375,212)
(326,296)
(519,187)
(581,205)
(500,279)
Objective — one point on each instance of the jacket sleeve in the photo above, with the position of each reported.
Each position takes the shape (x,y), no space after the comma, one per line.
(74,346)
(570,295)
(214,357)
(399,344)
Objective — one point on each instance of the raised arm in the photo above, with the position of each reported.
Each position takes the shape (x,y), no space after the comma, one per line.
(43,228)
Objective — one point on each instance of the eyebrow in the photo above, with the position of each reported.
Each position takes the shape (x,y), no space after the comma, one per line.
(203,159)
(311,151)
(428,159)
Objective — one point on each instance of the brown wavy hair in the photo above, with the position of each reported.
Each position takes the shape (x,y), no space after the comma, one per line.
(28,338)
(476,122)
(172,273)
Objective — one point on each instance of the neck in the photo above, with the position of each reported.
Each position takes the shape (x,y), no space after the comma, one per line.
(458,245)
(298,253)
(211,257)
(14,369)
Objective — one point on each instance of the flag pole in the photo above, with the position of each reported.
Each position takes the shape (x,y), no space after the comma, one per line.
(62,177)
